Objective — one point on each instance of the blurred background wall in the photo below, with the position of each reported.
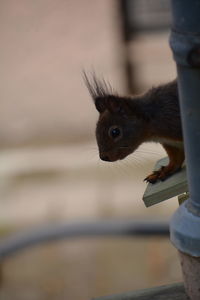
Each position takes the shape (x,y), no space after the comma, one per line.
(49,165)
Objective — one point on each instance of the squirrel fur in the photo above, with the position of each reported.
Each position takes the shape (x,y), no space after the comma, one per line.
(126,122)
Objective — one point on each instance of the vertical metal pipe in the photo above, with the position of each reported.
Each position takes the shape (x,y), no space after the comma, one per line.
(185,224)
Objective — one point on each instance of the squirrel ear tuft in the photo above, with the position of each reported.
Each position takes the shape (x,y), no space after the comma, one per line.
(99,91)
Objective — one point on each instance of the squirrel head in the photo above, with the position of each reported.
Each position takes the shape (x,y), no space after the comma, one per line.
(121,126)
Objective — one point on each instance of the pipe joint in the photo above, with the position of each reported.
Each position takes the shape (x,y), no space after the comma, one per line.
(184,230)
(186,48)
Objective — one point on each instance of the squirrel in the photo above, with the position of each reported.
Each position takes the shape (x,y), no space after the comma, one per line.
(126,122)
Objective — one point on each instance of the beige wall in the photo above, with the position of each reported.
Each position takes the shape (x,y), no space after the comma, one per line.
(44,47)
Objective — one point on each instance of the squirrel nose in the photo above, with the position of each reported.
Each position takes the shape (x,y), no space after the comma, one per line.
(105,157)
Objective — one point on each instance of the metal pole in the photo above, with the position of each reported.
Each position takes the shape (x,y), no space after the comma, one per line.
(185,224)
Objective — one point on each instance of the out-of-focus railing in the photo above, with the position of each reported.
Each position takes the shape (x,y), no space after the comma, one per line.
(49,233)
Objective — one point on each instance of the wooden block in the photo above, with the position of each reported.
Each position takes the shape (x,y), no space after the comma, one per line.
(163,190)
(167,292)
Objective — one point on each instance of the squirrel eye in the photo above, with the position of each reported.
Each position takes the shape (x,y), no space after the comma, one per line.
(115,132)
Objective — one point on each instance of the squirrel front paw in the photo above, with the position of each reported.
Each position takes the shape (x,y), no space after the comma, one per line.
(163,173)
(154,177)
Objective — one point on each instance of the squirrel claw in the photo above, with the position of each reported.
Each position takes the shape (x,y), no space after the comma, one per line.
(152,178)
(162,174)
(156,175)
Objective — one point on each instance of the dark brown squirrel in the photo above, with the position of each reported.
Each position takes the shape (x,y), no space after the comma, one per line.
(127,122)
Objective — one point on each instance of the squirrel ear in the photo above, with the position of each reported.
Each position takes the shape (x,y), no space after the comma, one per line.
(109,102)
(114,104)
(100,104)
(117,105)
